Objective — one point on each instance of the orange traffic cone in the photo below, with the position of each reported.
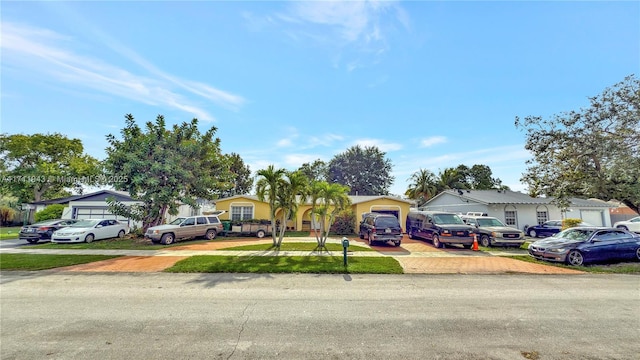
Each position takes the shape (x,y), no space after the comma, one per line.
(475,243)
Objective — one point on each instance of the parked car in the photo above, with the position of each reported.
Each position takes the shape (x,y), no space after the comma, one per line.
(42,231)
(207,226)
(548,228)
(631,224)
(88,230)
(491,231)
(379,227)
(580,245)
(441,228)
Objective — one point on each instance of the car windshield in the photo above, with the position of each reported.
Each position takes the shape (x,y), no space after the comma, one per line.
(386,222)
(574,234)
(177,221)
(447,219)
(489,222)
(85,223)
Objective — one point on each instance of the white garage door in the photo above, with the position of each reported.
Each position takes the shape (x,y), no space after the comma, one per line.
(593,217)
(97,212)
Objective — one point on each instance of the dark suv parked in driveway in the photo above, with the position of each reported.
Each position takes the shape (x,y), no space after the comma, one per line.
(380,227)
(440,227)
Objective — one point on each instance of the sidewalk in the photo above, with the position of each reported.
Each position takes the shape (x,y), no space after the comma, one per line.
(415,256)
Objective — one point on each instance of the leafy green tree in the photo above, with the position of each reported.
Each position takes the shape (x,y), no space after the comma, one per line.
(42,166)
(365,171)
(267,188)
(241,182)
(451,178)
(593,152)
(164,168)
(423,186)
(327,201)
(51,212)
(316,171)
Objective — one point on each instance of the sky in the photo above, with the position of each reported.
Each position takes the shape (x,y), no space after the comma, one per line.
(431,84)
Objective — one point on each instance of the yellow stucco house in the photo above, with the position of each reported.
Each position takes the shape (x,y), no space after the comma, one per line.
(244,207)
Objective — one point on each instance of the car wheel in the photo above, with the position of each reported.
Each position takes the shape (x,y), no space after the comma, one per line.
(210,235)
(638,254)
(485,241)
(121,234)
(410,234)
(575,258)
(260,234)
(436,242)
(533,233)
(623,227)
(398,243)
(89,238)
(33,241)
(361,236)
(167,239)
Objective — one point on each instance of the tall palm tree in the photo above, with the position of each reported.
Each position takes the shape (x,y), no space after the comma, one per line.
(291,189)
(267,187)
(424,186)
(327,200)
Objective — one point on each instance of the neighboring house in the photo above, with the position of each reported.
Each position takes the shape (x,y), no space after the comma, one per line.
(245,207)
(94,205)
(518,209)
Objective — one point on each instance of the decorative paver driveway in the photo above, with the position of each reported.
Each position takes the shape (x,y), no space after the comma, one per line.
(415,256)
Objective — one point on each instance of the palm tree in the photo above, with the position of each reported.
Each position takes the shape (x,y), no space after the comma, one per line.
(424,186)
(327,200)
(290,190)
(267,187)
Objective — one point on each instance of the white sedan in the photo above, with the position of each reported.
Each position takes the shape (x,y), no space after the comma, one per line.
(88,230)
(631,224)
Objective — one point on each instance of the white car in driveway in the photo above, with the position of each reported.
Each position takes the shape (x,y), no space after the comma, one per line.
(631,224)
(88,230)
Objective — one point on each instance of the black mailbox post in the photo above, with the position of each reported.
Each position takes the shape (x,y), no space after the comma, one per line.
(345,245)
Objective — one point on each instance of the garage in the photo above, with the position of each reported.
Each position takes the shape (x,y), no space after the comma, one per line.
(593,217)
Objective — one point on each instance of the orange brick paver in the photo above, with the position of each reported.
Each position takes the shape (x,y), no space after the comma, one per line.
(128,264)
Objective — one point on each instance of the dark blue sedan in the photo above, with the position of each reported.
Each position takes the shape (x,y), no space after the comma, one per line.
(580,245)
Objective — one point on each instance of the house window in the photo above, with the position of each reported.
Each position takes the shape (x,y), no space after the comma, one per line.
(241,212)
(510,217)
(542,216)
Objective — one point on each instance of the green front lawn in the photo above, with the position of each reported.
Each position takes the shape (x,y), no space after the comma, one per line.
(286,264)
(31,262)
(300,246)
(9,232)
(605,268)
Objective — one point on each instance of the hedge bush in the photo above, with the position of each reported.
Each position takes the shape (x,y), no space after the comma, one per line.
(49,213)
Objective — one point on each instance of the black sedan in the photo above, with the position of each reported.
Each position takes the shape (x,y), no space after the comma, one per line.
(43,230)
(580,245)
(548,228)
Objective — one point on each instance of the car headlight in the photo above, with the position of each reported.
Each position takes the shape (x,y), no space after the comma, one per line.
(445,231)
(558,250)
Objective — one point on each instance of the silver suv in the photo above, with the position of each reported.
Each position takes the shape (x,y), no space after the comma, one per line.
(207,226)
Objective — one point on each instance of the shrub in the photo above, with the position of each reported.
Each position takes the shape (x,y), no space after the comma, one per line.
(569,223)
(7,215)
(344,222)
(49,213)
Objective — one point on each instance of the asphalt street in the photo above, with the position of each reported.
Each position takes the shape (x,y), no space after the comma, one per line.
(58,315)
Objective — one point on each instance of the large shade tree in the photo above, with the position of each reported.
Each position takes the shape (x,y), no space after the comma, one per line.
(44,166)
(592,152)
(165,167)
(315,171)
(241,179)
(365,171)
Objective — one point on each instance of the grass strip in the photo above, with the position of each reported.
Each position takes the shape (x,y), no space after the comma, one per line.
(286,264)
(30,262)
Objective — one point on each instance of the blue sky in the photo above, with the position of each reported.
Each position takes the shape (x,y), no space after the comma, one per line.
(432,84)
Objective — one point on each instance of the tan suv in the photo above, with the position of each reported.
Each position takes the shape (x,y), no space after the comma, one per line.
(207,226)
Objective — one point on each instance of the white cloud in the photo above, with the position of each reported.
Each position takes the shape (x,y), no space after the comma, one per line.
(43,51)
(380,144)
(294,161)
(434,140)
